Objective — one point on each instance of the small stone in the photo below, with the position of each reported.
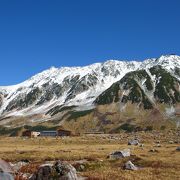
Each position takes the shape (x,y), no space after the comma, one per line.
(133,142)
(120,154)
(153,150)
(171,142)
(178,148)
(130,166)
(158,145)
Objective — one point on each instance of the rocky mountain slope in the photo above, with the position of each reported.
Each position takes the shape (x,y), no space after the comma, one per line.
(83,88)
(144,87)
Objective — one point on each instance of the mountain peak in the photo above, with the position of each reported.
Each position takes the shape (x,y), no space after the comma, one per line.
(169,57)
(168,61)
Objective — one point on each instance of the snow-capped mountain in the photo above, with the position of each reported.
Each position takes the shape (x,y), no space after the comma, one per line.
(84,87)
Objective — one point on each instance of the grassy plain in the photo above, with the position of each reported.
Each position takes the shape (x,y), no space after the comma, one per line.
(94,149)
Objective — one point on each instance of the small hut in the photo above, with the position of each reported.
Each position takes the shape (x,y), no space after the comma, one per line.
(27,133)
(63,132)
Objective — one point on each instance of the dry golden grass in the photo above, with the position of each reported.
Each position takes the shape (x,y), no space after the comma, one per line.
(164,164)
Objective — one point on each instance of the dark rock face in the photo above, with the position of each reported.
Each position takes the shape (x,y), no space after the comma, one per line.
(24,100)
(82,85)
(167,87)
(1,100)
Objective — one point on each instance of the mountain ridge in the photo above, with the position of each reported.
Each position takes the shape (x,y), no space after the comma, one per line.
(75,86)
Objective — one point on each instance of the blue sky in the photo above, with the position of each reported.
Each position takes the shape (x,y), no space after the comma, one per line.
(38,34)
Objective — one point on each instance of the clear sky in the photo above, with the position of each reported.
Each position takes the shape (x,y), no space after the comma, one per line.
(38,34)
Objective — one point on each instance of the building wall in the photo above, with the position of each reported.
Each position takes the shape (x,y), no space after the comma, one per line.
(63,133)
(49,133)
(26,133)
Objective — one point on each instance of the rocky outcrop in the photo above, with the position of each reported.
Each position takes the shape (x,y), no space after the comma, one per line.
(59,170)
(144,87)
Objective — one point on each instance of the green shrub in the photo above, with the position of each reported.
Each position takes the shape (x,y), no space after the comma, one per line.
(149,128)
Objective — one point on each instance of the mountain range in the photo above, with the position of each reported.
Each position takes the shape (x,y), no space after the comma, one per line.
(69,92)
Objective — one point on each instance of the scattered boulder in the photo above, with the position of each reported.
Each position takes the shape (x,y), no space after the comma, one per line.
(178,148)
(120,154)
(133,142)
(171,142)
(130,166)
(60,170)
(65,171)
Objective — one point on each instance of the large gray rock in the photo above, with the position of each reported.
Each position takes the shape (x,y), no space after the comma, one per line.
(5,170)
(65,171)
(5,176)
(60,171)
(130,166)
(5,166)
(178,148)
(120,154)
(43,173)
